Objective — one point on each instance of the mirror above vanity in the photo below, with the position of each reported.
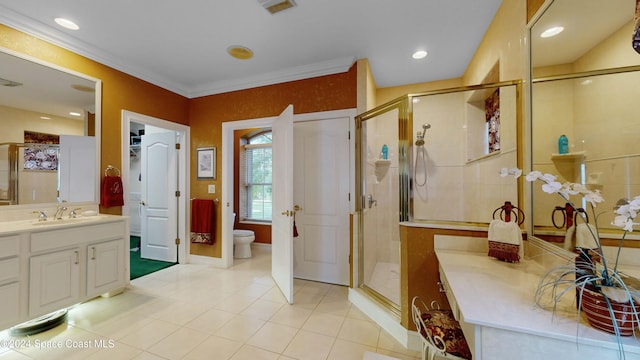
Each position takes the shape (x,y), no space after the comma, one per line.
(585,85)
(50,140)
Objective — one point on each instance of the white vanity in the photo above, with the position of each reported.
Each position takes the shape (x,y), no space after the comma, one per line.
(46,266)
(494,303)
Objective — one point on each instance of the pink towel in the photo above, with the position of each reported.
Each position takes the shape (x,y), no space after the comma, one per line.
(202,221)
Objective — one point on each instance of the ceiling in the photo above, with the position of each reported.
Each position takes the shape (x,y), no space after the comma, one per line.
(586,23)
(181,45)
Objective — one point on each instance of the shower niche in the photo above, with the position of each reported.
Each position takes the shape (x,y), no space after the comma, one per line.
(483,123)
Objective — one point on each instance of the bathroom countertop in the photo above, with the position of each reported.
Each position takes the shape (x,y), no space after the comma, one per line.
(33,225)
(497,294)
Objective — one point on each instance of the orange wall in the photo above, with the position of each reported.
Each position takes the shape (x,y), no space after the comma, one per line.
(119,92)
(206,115)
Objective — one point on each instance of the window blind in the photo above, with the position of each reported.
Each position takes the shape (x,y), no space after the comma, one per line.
(255,182)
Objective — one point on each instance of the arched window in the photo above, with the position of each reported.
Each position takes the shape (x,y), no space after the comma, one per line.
(255,178)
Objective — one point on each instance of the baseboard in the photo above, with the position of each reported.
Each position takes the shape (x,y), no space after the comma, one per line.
(385,319)
(206,260)
(261,245)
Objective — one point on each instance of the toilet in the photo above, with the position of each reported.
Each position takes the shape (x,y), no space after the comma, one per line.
(242,240)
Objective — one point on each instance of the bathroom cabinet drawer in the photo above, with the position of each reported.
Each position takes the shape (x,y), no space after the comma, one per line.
(55,239)
(9,246)
(9,269)
(9,298)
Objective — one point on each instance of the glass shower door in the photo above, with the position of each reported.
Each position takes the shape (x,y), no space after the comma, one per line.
(382,165)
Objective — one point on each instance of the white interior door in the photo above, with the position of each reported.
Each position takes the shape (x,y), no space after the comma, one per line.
(321,193)
(282,193)
(159,206)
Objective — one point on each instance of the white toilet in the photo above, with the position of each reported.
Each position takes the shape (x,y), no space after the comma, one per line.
(242,240)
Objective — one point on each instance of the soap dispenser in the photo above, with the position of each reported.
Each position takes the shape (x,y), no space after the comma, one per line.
(563,144)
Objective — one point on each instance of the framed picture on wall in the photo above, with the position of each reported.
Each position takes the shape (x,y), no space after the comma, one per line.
(206,163)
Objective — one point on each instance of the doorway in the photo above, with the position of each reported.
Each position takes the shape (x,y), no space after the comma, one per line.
(229,184)
(157,207)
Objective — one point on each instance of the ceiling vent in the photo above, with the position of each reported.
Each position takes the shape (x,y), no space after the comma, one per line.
(275,6)
(9,83)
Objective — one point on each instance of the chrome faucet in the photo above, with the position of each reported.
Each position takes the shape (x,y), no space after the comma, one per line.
(60,209)
(73,213)
(42,216)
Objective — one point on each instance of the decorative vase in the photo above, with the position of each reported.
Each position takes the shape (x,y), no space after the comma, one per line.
(595,307)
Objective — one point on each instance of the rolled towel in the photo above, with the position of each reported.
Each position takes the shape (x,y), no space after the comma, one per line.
(569,241)
(585,233)
(505,241)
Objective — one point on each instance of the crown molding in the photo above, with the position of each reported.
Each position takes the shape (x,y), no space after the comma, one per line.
(330,67)
(60,38)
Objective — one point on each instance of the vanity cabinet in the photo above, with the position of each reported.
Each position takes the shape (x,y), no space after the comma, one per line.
(105,267)
(77,263)
(9,279)
(54,281)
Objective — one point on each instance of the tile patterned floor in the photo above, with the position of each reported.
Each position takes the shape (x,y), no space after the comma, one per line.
(198,312)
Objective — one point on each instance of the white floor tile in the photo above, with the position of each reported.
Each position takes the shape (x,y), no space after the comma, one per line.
(196,312)
(273,337)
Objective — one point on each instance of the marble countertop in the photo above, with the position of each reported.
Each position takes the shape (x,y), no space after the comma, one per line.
(501,295)
(33,225)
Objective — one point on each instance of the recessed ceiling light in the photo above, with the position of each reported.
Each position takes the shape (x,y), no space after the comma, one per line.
(73,113)
(420,54)
(552,31)
(65,23)
(275,6)
(45,118)
(240,52)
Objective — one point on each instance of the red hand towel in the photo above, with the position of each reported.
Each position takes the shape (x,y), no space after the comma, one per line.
(202,221)
(112,192)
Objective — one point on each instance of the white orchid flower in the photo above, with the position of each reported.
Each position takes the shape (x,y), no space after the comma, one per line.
(552,187)
(623,222)
(548,178)
(594,197)
(628,211)
(534,175)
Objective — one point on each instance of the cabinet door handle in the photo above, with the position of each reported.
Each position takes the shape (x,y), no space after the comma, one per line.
(77,257)
(93,253)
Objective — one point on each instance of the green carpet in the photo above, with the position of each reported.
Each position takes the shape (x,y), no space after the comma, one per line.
(140,267)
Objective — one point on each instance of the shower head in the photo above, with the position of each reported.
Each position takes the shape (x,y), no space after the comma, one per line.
(420,135)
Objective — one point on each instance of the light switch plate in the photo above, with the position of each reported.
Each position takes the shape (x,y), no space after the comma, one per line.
(211,189)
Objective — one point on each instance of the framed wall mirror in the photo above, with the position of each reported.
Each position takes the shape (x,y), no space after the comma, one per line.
(585,85)
(50,138)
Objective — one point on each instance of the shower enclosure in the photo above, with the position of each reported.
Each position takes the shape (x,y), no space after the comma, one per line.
(384,192)
(449,172)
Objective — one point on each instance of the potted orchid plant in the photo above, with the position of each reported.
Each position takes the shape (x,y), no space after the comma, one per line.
(616,294)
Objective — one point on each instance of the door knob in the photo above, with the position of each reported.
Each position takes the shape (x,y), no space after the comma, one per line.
(142,203)
(297,208)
